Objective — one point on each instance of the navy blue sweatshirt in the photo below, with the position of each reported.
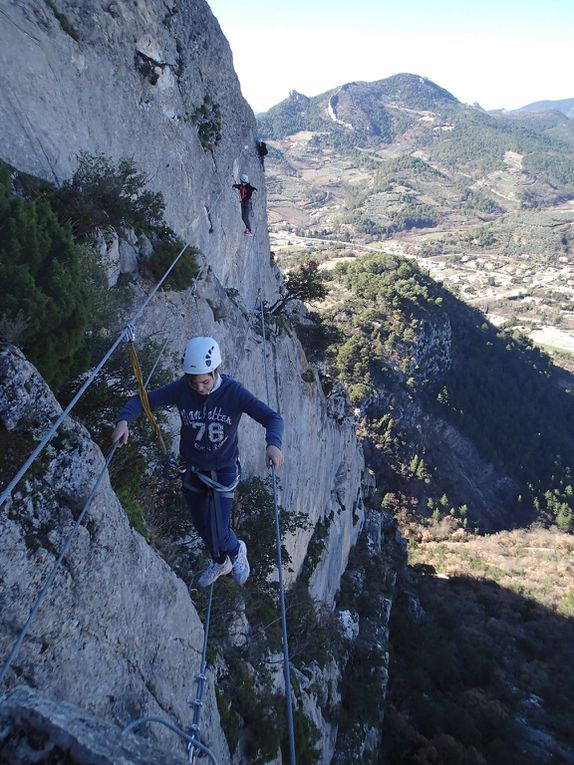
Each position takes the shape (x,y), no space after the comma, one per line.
(209,423)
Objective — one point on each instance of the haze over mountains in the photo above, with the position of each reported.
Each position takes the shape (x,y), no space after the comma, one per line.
(564,105)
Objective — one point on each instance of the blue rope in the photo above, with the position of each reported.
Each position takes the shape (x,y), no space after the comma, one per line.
(286,674)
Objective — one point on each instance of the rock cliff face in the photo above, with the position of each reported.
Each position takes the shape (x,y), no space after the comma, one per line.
(152,81)
(119,635)
(65,733)
(426,359)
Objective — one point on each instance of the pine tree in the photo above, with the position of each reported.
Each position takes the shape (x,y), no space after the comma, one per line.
(44,284)
(304,282)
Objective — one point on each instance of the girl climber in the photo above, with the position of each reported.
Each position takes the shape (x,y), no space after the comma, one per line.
(210,405)
(245,193)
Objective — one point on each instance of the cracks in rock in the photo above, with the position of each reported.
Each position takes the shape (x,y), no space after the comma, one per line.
(180,66)
(148,67)
(170,14)
(64,22)
(20,28)
(208,216)
(113,10)
(33,138)
(133,669)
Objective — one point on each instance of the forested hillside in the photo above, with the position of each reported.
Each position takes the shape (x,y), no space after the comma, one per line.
(495,388)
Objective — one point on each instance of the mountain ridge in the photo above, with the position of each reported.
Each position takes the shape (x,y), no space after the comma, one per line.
(367,101)
(484,198)
(563,105)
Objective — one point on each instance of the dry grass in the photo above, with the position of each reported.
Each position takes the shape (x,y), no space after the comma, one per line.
(535,563)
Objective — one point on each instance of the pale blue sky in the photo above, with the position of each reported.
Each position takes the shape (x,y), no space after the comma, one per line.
(500,53)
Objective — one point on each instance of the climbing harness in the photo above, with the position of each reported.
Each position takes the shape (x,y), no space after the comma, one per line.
(213,483)
(217,490)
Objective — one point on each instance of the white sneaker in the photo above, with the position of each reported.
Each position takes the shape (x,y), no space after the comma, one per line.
(214,571)
(241,566)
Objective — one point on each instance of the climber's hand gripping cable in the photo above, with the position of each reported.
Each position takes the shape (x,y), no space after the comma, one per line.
(121,433)
(274,457)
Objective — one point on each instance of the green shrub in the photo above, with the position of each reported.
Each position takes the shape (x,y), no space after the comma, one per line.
(207,117)
(314,632)
(259,710)
(102,194)
(253,516)
(134,511)
(305,282)
(306,736)
(46,285)
(165,251)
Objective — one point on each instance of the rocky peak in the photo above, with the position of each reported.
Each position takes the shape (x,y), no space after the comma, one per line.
(294,95)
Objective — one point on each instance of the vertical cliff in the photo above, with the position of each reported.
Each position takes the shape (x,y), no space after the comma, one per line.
(149,80)
(153,81)
(118,633)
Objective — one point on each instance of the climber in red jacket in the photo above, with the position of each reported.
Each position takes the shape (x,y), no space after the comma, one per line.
(245,193)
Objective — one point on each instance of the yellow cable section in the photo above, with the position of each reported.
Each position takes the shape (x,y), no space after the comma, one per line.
(144,398)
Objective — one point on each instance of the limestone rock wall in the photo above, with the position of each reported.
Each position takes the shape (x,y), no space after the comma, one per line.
(118,633)
(137,81)
(33,728)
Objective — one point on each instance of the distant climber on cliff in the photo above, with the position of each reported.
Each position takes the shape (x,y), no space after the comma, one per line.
(262,152)
(210,406)
(245,193)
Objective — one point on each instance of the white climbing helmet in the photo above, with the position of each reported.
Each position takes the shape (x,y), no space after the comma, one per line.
(244,178)
(201,356)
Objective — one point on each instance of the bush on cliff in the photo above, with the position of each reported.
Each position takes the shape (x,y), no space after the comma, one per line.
(102,194)
(47,297)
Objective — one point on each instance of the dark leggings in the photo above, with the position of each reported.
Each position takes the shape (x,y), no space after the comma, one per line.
(200,499)
(246,212)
